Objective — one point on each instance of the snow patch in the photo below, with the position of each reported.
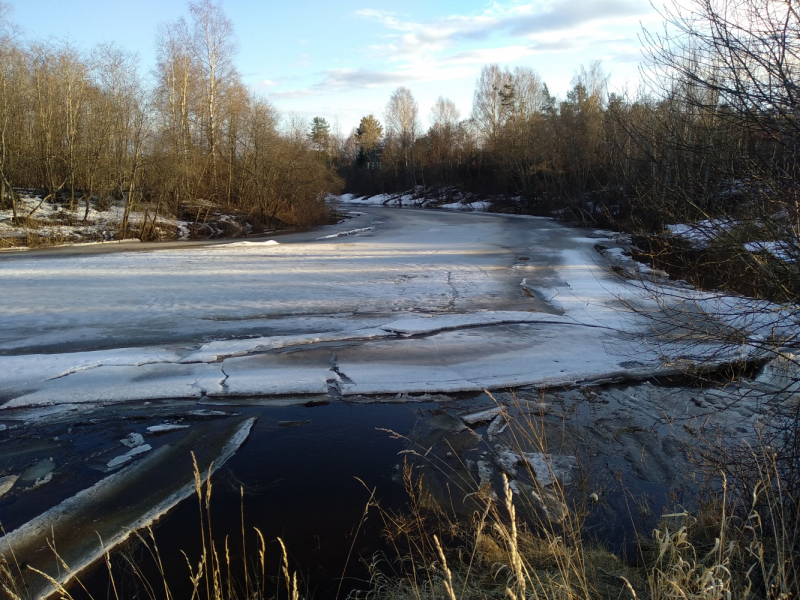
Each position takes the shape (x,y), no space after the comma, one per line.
(346,233)
(477,206)
(783,251)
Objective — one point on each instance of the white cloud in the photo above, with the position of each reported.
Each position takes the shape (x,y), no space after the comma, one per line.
(526,21)
(483,56)
(345,80)
(553,36)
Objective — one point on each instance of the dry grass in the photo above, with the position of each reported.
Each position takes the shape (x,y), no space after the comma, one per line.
(741,544)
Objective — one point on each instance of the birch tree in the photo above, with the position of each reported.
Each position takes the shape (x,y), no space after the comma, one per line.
(214,47)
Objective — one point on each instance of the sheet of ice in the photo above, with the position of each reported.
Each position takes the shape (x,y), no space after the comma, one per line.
(276,375)
(124,384)
(259,318)
(434,323)
(19,371)
(524,354)
(214,351)
(197,294)
(546,293)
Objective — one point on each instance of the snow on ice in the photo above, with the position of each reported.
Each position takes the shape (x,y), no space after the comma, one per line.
(430,301)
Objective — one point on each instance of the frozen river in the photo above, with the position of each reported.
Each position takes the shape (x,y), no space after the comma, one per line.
(417,301)
(116,361)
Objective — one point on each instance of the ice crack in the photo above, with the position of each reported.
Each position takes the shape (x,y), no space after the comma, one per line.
(451,303)
(335,368)
(81,368)
(224,383)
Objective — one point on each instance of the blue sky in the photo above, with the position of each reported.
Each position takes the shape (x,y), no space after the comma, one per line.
(341,60)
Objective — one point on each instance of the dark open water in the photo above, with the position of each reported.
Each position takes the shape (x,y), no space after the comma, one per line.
(300,485)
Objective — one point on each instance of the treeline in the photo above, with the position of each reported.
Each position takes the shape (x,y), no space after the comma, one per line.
(713,132)
(86,129)
(519,141)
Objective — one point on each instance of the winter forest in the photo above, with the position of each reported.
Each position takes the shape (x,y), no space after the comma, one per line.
(711,132)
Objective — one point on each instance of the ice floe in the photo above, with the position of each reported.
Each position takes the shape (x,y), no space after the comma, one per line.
(78,525)
(123,458)
(153,429)
(6,483)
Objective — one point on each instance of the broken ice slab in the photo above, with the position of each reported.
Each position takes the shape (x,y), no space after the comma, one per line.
(446,422)
(6,483)
(38,473)
(132,440)
(107,510)
(497,426)
(122,459)
(546,504)
(484,473)
(210,413)
(549,468)
(483,416)
(507,461)
(165,428)
(546,468)
(538,409)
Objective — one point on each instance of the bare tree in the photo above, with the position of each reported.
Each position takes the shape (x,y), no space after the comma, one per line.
(493,91)
(402,122)
(214,47)
(12,79)
(444,136)
(444,114)
(176,96)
